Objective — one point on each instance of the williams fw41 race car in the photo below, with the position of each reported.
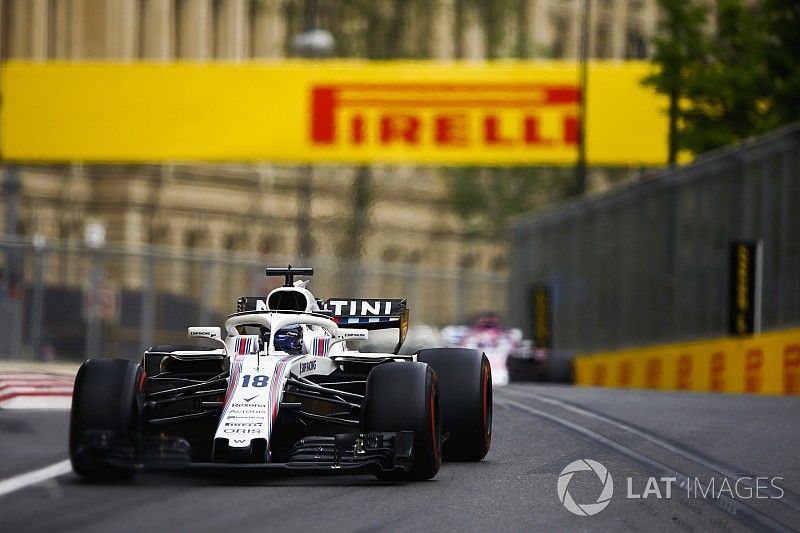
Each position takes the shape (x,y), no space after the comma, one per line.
(283,392)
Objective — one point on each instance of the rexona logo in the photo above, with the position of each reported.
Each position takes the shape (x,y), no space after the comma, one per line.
(445,115)
(585,509)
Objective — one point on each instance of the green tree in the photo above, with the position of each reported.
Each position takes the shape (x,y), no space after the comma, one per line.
(740,81)
(782,18)
(680,47)
(486,198)
(729,90)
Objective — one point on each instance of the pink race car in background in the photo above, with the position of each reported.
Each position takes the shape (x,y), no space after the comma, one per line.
(487,334)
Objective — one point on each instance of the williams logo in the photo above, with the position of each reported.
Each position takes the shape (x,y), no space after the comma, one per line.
(585,509)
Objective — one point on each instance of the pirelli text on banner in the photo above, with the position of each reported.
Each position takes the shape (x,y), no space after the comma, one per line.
(444,114)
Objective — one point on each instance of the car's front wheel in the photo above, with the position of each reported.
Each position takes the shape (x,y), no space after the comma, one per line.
(404,396)
(105,418)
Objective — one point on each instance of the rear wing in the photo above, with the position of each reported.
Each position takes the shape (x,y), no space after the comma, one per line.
(366,313)
(370,313)
(362,313)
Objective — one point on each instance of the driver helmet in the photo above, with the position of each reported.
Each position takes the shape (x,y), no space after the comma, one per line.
(290,339)
(488,323)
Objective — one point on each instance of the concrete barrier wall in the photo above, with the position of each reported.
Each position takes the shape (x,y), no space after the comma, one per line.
(763,364)
(648,262)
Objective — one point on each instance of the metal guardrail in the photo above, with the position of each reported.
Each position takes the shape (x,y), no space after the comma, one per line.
(647,263)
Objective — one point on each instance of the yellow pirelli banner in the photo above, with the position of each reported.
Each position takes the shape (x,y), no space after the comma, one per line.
(330,111)
(762,364)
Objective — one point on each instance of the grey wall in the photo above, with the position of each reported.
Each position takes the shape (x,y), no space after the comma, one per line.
(648,262)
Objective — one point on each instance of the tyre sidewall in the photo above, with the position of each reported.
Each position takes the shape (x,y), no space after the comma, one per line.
(106,397)
(465,384)
(404,396)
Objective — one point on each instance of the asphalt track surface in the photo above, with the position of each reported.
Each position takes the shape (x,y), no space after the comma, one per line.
(538,430)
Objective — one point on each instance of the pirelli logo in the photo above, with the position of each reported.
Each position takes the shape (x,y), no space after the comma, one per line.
(495,116)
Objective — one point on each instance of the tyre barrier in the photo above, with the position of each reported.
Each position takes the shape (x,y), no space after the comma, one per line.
(762,364)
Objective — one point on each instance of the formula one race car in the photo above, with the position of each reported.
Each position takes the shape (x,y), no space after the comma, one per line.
(284,392)
(490,337)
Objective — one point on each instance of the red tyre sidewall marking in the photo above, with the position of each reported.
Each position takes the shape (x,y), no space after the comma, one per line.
(485,403)
(433,422)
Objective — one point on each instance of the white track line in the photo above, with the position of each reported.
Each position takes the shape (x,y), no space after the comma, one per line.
(36,476)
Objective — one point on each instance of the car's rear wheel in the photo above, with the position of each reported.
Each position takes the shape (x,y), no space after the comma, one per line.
(465,383)
(105,419)
(405,397)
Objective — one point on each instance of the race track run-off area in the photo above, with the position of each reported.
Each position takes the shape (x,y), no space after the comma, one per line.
(673,459)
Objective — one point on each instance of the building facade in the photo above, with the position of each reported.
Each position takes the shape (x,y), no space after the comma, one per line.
(246,29)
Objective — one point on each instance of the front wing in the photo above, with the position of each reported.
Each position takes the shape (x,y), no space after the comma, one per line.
(340,454)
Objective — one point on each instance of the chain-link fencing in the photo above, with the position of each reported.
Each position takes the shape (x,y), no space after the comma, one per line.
(66,301)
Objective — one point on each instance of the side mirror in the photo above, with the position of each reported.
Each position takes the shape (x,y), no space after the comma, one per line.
(212,333)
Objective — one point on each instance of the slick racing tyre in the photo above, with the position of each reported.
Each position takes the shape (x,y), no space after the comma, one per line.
(402,397)
(105,419)
(465,390)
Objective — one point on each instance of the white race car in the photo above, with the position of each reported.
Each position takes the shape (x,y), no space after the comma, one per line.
(487,335)
(284,392)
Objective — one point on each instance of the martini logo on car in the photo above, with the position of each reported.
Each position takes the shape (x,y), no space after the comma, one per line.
(360,307)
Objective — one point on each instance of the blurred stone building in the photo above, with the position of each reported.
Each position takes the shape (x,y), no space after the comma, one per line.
(245,29)
(260,208)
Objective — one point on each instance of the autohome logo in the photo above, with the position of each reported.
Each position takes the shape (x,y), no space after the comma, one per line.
(585,509)
(462,116)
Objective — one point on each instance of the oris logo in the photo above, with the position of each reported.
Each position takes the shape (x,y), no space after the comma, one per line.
(585,509)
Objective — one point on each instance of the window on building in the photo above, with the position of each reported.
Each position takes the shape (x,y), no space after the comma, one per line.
(5,27)
(232,241)
(195,238)
(468,261)
(270,243)
(603,41)
(635,44)
(414,257)
(560,34)
(499,263)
